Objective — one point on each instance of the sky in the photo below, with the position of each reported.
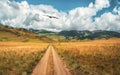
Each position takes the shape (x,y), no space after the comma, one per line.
(66,5)
(71,14)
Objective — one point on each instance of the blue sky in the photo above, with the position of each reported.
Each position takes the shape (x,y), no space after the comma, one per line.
(63,5)
(66,5)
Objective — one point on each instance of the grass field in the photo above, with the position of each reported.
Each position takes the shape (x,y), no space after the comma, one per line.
(17,58)
(91,57)
(98,57)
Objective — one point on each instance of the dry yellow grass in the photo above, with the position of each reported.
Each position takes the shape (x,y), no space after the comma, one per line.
(21,47)
(17,58)
(89,47)
(98,57)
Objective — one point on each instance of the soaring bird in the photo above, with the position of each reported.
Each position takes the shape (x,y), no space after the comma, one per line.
(52,16)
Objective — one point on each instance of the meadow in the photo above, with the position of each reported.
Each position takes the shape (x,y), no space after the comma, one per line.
(97,57)
(17,58)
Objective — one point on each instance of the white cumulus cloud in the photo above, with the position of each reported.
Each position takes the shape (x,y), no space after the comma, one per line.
(26,15)
(108,21)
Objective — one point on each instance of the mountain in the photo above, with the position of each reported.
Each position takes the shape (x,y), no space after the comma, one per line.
(20,34)
(31,35)
(42,31)
(78,35)
(98,34)
(52,35)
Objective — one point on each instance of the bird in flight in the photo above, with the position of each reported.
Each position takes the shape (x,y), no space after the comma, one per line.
(52,16)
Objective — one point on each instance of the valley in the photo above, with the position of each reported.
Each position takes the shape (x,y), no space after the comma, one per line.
(59,37)
(24,52)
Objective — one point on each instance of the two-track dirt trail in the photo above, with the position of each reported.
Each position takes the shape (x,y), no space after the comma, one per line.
(50,64)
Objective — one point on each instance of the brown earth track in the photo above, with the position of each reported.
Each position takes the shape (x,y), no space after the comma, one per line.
(51,64)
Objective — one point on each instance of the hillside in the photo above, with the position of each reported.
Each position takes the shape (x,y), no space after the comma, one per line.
(98,34)
(19,34)
(52,35)
(41,31)
(77,35)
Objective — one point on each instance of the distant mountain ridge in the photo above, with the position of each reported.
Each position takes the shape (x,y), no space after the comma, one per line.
(40,31)
(7,33)
(97,34)
(81,35)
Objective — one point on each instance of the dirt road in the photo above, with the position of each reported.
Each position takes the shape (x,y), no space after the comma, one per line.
(50,64)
